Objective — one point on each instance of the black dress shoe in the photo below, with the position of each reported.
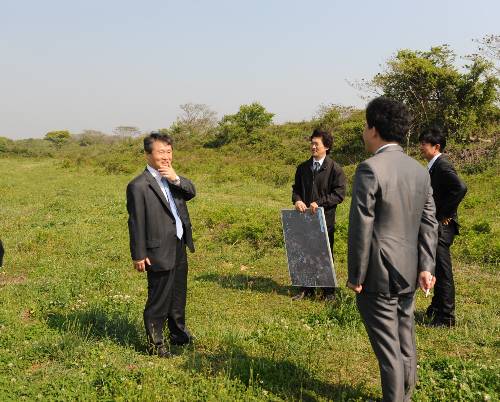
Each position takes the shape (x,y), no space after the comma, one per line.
(160,351)
(304,293)
(431,312)
(329,297)
(299,296)
(163,352)
(175,342)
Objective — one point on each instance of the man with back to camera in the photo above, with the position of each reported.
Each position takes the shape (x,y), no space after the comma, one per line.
(448,192)
(160,229)
(392,244)
(319,182)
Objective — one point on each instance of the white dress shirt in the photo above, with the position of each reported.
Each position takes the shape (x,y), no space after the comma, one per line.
(384,146)
(320,161)
(431,162)
(157,177)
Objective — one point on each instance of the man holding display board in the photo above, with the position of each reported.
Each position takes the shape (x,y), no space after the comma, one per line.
(319,182)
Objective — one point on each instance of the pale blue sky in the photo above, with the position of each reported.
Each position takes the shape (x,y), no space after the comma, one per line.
(99,64)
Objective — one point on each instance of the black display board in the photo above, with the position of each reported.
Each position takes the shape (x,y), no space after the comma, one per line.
(310,261)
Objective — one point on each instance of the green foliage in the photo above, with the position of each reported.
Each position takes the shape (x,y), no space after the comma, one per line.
(241,125)
(58,138)
(92,137)
(5,144)
(71,323)
(341,312)
(457,380)
(463,103)
(195,120)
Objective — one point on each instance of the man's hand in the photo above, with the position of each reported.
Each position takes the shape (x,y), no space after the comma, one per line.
(140,265)
(355,288)
(168,172)
(314,207)
(300,206)
(426,281)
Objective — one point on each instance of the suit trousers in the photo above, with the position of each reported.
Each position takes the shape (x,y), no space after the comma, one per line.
(443,302)
(390,324)
(326,291)
(166,302)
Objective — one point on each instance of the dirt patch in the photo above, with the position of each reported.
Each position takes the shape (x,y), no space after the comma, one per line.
(27,315)
(11,279)
(37,367)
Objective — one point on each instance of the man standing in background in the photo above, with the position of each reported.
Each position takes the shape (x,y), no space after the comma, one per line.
(1,253)
(160,229)
(319,182)
(392,244)
(448,192)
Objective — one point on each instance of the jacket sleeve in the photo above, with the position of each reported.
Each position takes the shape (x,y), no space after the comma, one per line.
(185,188)
(336,192)
(361,219)
(456,190)
(428,235)
(296,187)
(136,221)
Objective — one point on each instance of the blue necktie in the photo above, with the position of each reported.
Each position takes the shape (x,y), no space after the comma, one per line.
(316,166)
(173,208)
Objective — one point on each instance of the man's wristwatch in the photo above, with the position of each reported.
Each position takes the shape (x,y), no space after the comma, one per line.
(177,180)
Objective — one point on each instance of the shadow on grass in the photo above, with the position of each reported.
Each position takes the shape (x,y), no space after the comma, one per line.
(284,378)
(97,323)
(245,282)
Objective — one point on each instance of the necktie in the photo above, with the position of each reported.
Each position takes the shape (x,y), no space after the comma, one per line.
(178,223)
(316,166)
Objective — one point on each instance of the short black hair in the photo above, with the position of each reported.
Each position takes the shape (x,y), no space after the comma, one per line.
(325,136)
(433,135)
(390,117)
(156,136)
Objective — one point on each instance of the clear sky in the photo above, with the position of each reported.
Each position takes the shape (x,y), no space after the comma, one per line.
(100,64)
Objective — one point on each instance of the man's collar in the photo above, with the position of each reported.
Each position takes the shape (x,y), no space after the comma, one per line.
(154,172)
(319,160)
(384,147)
(431,162)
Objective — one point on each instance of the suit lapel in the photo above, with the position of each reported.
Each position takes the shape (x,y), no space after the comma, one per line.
(156,188)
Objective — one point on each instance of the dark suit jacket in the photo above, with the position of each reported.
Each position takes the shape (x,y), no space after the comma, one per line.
(448,189)
(392,223)
(326,187)
(151,223)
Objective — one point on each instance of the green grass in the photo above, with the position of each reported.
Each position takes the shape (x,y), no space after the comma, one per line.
(71,303)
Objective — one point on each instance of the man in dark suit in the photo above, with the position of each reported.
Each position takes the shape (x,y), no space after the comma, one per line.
(392,243)
(448,192)
(160,229)
(319,182)
(1,253)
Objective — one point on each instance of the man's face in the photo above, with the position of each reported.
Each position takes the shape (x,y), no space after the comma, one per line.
(161,155)
(428,150)
(318,150)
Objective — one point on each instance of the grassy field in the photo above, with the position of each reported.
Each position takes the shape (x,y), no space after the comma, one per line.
(71,303)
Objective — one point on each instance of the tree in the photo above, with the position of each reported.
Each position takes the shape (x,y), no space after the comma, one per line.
(437,93)
(196,118)
(243,124)
(330,116)
(249,117)
(126,131)
(489,48)
(91,137)
(58,138)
